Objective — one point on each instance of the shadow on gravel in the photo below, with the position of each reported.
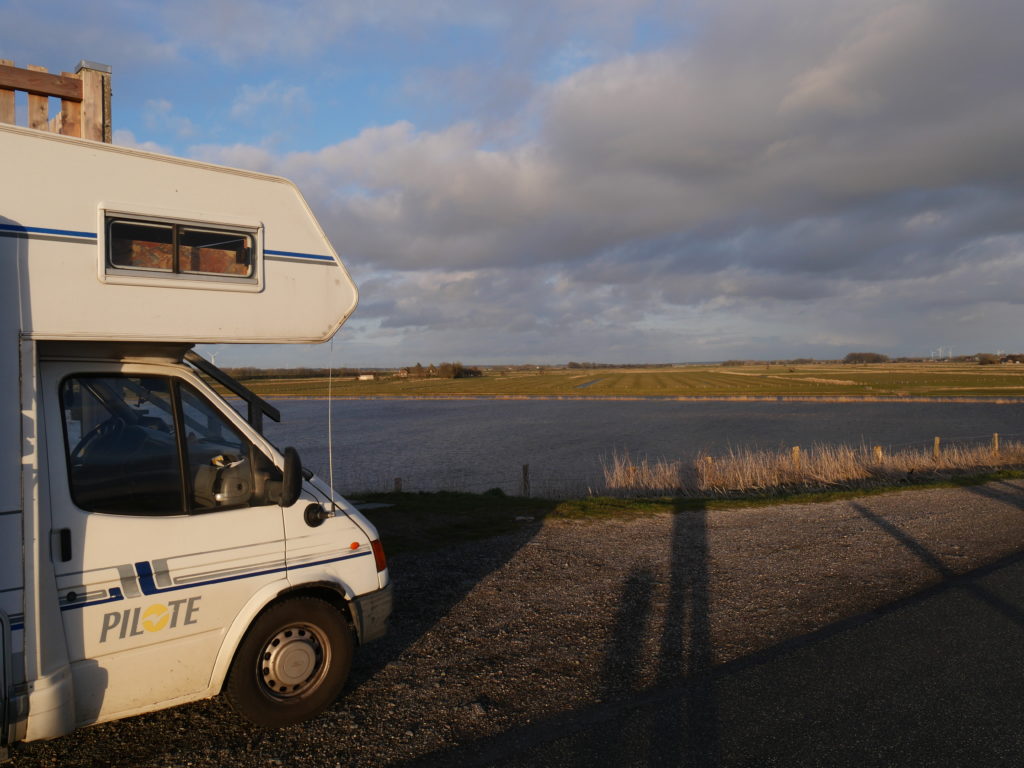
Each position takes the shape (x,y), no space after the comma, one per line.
(428,584)
(930,679)
(684,652)
(616,732)
(950,577)
(999,490)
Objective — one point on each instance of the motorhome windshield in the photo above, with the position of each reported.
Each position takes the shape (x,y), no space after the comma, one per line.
(129,437)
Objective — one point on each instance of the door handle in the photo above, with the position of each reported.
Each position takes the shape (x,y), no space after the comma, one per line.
(64,534)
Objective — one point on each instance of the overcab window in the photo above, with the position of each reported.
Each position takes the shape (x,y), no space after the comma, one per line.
(170,248)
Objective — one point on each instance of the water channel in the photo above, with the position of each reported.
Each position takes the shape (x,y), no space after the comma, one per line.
(474,445)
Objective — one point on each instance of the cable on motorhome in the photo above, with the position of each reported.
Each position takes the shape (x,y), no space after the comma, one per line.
(330,429)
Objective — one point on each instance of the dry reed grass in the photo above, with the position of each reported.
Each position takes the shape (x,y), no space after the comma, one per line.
(823,467)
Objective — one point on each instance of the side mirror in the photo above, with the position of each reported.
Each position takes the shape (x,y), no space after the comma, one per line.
(233,484)
(291,485)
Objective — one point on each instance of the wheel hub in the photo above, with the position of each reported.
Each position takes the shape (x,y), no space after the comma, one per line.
(294,661)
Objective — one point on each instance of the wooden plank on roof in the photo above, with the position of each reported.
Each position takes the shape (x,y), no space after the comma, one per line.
(38,81)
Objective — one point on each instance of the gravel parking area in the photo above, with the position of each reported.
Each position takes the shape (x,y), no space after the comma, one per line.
(563,626)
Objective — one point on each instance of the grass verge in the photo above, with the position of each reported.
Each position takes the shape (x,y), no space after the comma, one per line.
(421,522)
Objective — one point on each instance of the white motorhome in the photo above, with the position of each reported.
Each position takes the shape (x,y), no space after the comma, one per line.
(155,548)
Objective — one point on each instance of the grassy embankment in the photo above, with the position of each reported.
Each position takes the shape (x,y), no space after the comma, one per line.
(903,381)
(419,522)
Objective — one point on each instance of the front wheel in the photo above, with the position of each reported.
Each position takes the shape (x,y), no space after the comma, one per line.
(292,663)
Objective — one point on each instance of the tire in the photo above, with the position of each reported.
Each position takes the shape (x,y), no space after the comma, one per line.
(292,663)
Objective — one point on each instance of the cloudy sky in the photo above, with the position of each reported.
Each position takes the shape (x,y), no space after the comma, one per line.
(627,181)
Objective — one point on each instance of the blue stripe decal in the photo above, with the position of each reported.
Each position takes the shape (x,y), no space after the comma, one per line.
(149,587)
(92,236)
(296,255)
(115,596)
(16,627)
(332,560)
(45,231)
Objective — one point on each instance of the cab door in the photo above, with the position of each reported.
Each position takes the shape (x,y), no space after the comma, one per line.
(161,530)
(5,683)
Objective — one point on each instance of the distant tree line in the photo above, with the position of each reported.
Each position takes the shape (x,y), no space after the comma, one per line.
(987,358)
(443,371)
(573,364)
(794,361)
(866,357)
(982,358)
(249,373)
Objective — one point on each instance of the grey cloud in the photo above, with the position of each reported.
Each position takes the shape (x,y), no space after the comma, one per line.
(651,145)
(856,160)
(69,31)
(767,137)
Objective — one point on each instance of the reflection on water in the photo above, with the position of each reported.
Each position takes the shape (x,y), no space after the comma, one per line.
(474,445)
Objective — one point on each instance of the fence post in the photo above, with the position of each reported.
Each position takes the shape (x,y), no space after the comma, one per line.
(995,443)
(935,449)
(398,485)
(878,454)
(795,453)
(96,123)
(526,480)
(6,98)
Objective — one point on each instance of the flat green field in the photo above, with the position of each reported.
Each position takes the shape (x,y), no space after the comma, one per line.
(882,381)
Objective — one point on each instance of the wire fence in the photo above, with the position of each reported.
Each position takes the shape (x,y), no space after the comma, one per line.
(523,480)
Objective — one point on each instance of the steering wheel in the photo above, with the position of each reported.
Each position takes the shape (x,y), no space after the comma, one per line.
(108,428)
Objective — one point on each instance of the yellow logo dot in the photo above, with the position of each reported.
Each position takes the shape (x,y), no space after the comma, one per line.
(155,617)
